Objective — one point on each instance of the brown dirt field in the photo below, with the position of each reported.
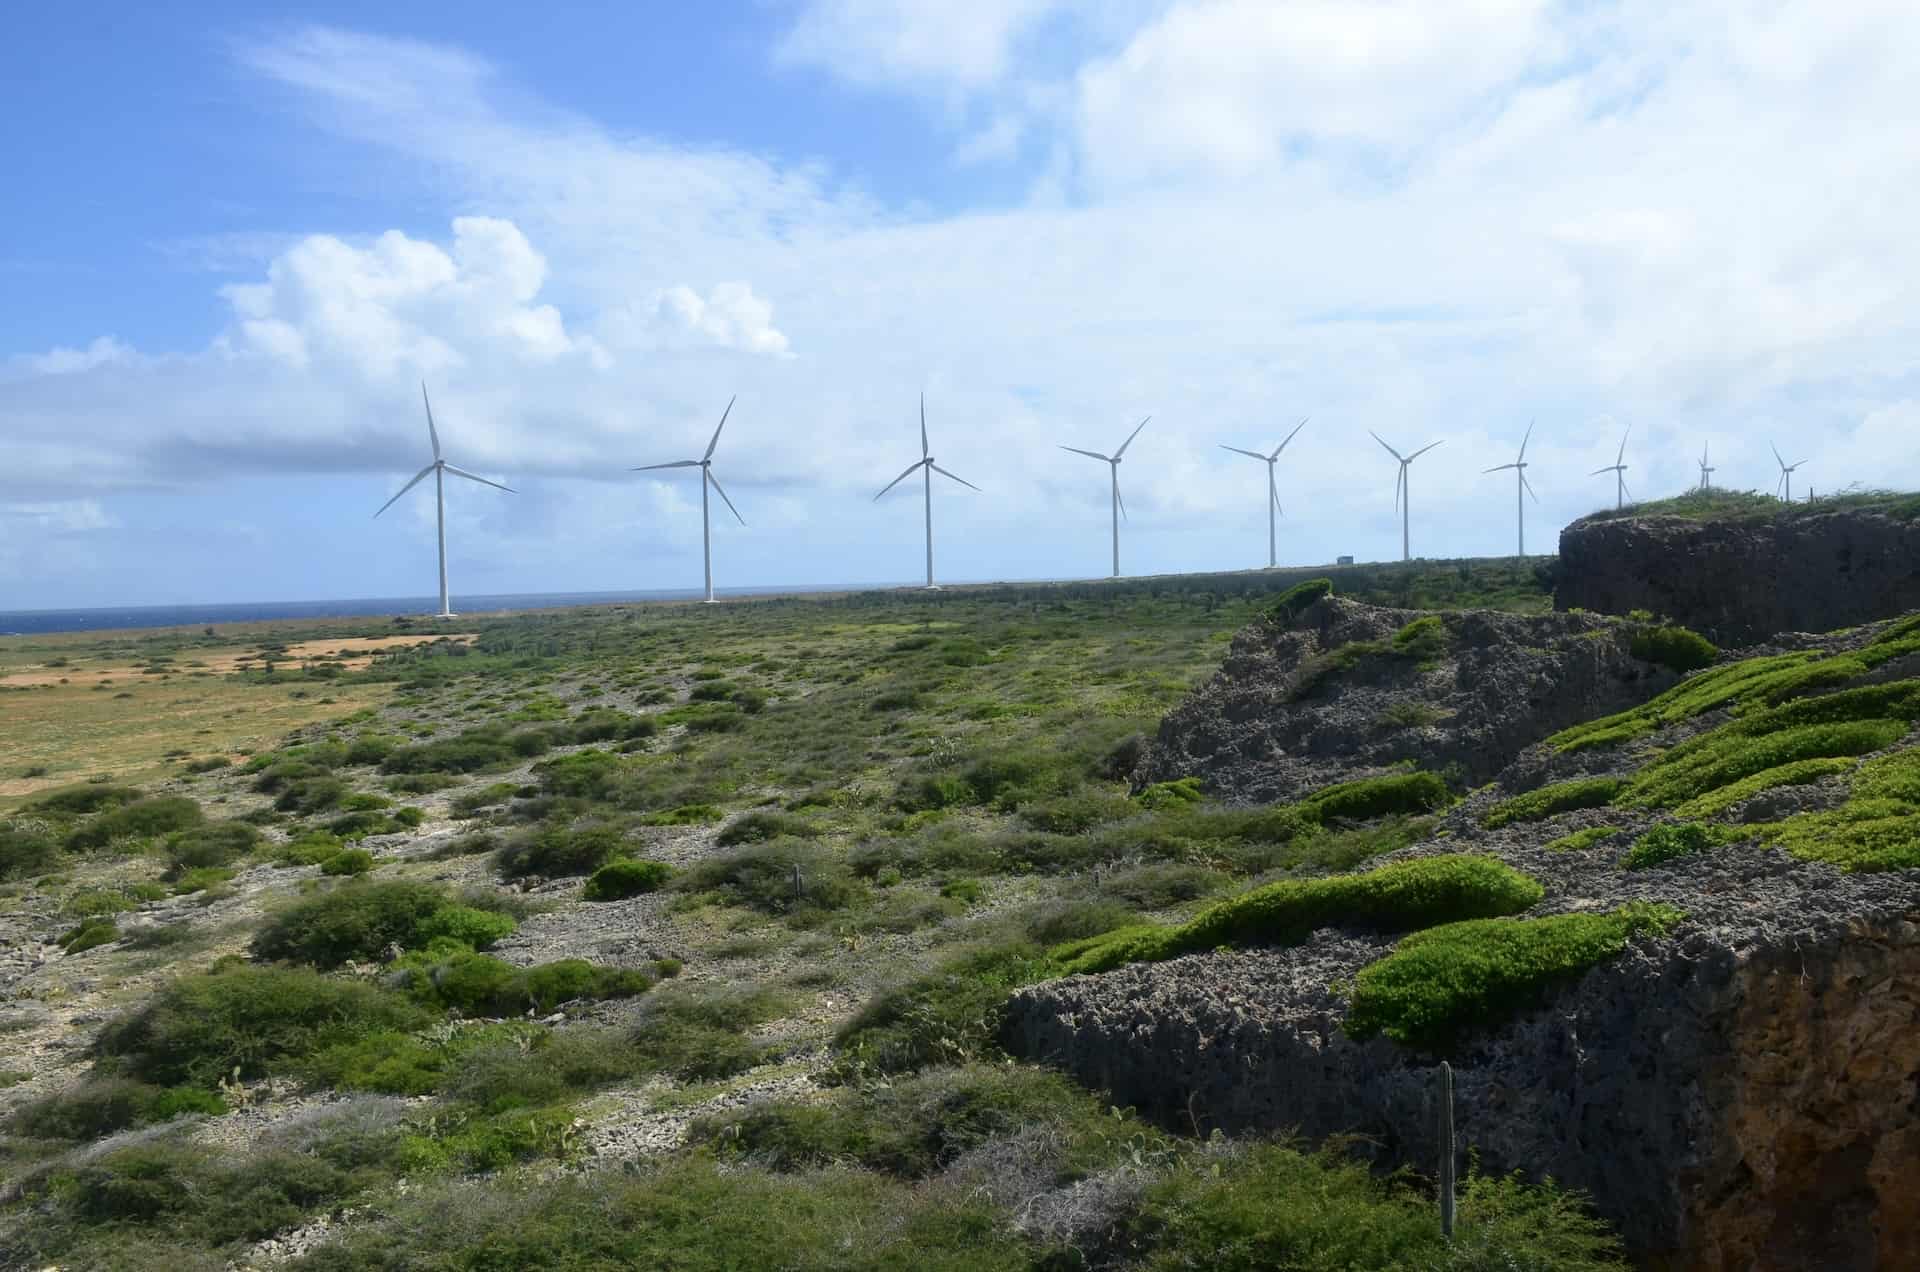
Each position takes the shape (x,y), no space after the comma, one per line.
(359,651)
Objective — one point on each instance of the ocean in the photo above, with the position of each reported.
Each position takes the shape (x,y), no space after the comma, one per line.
(34,622)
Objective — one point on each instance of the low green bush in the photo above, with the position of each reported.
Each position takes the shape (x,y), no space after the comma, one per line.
(1581,840)
(1878,828)
(590,774)
(214,844)
(1763,680)
(27,848)
(90,934)
(1181,792)
(1290,604)
(554,852)
(357,920)
(1394,898)
(476,929)
(481,985)
(1370,797)
(1561,797)
(1673,647)
(684,815)
(700,1036)
(141,819)
(369,822)
(1446,979)
(209,764)
(1719,759)
(618,880)
(754,828)
(244,1020)
(791,877)
(97,1106)
(1794,773)
(1077,813)
(1669,840)
(351,861)
(80,801)
(948,1016)
(1422,639)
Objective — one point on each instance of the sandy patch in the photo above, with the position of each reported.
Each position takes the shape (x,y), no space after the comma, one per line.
(350,653)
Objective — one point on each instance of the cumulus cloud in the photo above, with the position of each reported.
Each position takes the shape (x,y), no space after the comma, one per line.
(918,43)
(102,350)
(730,316)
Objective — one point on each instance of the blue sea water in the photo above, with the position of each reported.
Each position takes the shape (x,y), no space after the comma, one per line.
(34,622)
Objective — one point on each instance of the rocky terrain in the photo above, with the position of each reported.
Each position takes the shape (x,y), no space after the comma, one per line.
(1741,579)
(1742,1091)
(1349,690)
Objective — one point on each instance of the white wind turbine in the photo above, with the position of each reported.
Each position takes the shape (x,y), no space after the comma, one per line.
(1786,472)
(1119,504)
(1273,491)
(439,468)
(705,465)
(1706,471)
(927,468)
(1525,488)
(1402,493)
(1619,470)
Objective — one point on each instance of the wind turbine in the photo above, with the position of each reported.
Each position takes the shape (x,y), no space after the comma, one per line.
(439,468)
(927,469)
(1273,492)
(1705,470)
(1402,494)
(1786,472)
(1619,470)
(705,465)
(1119,504)
(1519,467)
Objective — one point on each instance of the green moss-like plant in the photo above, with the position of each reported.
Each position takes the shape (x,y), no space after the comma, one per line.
(1878,828)
(1698,694)
(1580,840)
(352,861)
(1671,840)
(1673,647)
(1393,898)
(1422,639)
(1561,797)
(1795,773)
(1290,604)
(1446,979)
(1721,758)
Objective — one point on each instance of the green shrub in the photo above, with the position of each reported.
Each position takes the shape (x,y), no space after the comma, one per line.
(1580,840)
(1561,797)
(314,794)
(90,934)
(361,825)
(700,1036)
(254,1021)
(618,880)
(1795,773)
(309,848)
(1057,922)
(604,724)
(209,764)
(1764,679)
(1673,647)
(354,921)
(352,861)
(1669,840)
(26,849)
(1181,792)
(1393,898)
(948,1016)
(141,819)
(762,876)
(755,828)
(79,801)
(475,929)
(1719,759)
(1422,639)
(97,1106)
(1077,813)
(1272,1206)
(591,774)
(684,815)
(1878,828)
(1290,604)
(1370,797)
(213,844)
(481,985)
(1446,979)
(555,852)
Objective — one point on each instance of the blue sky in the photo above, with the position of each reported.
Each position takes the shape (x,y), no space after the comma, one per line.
(237,237)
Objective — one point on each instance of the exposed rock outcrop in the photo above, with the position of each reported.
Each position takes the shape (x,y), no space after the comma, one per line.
(1292,709)
(1737,581)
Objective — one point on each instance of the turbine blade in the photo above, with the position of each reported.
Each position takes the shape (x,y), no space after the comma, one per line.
(1526,439)
(432,435)
(911,469)
(1596,472)
(1130,436)
(1423,450)
(723,498)
(404,489)
(1249,454)
(1628,489)
(1105,459)
(1623,444)
(924,449)
(1276,501)
(1528,487)
(1376,437)
(678,463)
(944,473)
(723,423)
(1501,468)
(1399,484)
(461,472)
(1703,453)
(1776,455)
(1290,436)
(1122,500)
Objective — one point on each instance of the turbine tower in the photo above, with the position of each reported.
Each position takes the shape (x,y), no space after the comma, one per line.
(705,465)
(1402,495)
(1619,470)
(1119,504)
(1273,491)
(1706,471)
(927,469)
(1786,472)
(1524,488)
(439,468)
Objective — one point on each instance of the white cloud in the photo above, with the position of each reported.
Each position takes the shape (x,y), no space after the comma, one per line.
(730,316)
(915,43)
(71,516)
(103,350)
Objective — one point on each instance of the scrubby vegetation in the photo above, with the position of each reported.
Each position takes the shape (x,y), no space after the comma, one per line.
(1561,797)
(362,920)
(1446,979)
